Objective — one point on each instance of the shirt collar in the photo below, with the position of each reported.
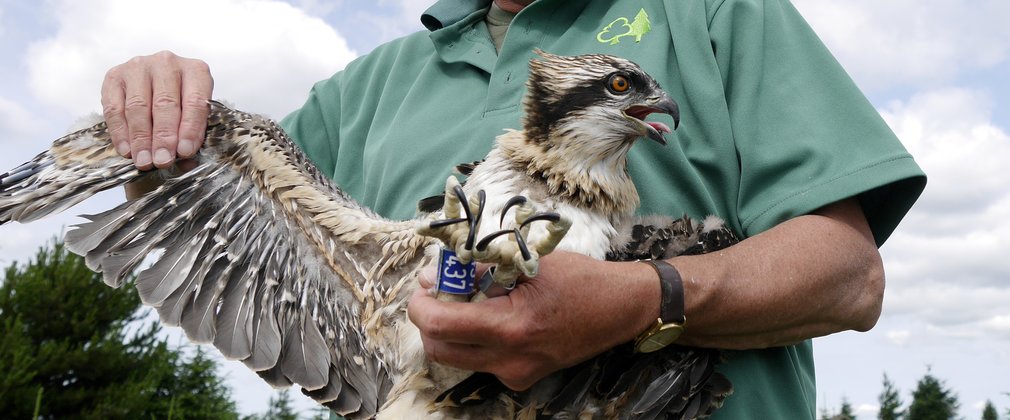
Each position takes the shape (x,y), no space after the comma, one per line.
(446,13)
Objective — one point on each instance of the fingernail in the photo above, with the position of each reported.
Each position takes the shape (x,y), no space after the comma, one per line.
(427,276)
(143,158)
(123,149)
(429,272)
(162,157)
(185,148)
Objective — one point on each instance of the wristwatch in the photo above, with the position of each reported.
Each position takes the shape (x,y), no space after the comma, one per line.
(670,324)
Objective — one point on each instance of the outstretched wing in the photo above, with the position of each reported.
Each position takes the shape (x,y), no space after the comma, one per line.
(254,251)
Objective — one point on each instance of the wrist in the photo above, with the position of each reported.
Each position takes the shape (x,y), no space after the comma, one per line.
(670,323)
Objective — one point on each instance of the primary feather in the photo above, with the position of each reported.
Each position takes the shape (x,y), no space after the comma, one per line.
(267,259)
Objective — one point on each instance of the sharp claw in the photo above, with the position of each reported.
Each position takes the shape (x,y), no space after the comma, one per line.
(458,190)
(475,222)
(514,201)
(522,246)
(444,222)
(550,216)
(482,245)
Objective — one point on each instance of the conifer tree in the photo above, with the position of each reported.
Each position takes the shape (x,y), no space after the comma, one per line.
(931,400)
(80,349)
(847,412)
(890,402)
(989,412)
(279,409)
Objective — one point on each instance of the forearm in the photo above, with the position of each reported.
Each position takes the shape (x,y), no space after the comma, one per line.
(810,276)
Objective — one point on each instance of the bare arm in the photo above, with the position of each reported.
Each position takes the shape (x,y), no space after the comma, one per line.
(810,276)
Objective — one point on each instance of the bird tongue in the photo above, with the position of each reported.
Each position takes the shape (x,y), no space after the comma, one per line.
(640,112)
(660,127)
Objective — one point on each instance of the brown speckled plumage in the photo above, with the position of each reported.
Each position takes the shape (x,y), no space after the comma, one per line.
(267,259)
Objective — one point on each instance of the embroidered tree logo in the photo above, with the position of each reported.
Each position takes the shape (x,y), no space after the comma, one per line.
(636,28)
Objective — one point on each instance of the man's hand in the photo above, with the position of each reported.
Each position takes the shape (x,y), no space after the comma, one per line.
(156,108)
(807,277)
(575,308)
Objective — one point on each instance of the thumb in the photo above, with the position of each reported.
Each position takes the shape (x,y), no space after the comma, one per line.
(426,277)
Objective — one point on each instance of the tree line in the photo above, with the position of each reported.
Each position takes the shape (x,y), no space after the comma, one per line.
(931,400)
(70,347)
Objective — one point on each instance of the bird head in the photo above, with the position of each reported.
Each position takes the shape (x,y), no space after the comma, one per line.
(600,99)
(582,114)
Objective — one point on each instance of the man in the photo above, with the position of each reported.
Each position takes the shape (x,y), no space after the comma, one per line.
(775,139)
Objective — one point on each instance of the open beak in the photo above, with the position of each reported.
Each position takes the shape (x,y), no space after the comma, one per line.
(659,104)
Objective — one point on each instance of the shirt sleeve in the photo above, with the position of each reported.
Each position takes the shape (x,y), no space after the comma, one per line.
(805,135)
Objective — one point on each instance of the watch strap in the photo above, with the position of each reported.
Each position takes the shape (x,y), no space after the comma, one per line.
(672,288)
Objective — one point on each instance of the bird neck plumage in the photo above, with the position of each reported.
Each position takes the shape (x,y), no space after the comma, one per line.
(600,185)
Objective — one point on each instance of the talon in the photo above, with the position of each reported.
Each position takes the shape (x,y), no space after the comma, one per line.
(482,245)
(475,222)
(548,216)
(458,190)
(514,201)
(443,223)
(523,249)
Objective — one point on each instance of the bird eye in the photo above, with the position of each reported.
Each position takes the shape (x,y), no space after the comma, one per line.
(618,84)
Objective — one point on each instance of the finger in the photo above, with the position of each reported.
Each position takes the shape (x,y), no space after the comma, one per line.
(462,356)
(459,322)
(197,89)
(166,111)
(515,373)
(113,104)
(426,277)
(137,108)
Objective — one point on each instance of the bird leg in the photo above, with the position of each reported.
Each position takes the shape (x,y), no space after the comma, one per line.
(514,256)
(456,235)
(511,257)
(456,267)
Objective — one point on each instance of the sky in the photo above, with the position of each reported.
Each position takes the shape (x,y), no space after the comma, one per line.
(937,71)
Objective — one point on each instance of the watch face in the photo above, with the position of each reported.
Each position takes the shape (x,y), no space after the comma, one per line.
(663,337)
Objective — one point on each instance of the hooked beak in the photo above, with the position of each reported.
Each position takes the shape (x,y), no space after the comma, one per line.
(659,104)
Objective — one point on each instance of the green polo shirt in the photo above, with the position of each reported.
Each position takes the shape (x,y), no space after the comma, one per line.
(772,128)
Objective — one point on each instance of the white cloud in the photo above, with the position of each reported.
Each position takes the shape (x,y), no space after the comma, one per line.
(946,264)
(317,7)
(411,10)
(18,125)
(906,43)
(264,54)
(869,410)
(898,337)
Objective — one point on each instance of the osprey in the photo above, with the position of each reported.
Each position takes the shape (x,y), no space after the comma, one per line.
(264,257)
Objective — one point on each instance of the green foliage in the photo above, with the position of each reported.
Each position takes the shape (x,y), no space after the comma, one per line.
(81,346)
(932,401)
(890,402)
(320,412)
(280,408)
(989,412)
(846,413)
